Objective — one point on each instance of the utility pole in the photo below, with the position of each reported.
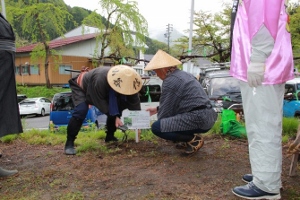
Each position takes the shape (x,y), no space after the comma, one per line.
(191,35)
(3,8)
(168,34)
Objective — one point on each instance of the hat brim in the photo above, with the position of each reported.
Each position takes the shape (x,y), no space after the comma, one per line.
(162,60)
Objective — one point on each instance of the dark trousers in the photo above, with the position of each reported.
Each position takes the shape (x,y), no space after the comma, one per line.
(177,136)
(78,117)
(110,126)
(76,120)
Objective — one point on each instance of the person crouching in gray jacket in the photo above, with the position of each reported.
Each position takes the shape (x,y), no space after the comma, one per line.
(184,108)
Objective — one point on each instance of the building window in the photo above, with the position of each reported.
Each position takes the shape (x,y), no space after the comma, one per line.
(139,71)
(34,69)
(25,70)
(17,70)
(62,69)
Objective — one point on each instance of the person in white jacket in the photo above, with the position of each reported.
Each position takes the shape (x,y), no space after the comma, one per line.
(262,59)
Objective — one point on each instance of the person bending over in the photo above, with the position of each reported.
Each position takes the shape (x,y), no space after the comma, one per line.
(111,90)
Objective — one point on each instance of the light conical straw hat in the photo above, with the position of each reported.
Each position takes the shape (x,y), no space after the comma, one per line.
(124,80)
(161,60)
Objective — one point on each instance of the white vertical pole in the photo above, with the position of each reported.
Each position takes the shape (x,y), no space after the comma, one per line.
(191,35)
(137,137)
(3,8)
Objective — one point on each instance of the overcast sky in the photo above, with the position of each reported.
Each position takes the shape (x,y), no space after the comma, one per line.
(160,13)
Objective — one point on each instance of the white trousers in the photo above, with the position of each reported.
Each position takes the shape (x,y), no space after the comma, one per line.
(263,118)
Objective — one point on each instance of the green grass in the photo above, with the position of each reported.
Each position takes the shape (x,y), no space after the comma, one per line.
(290,126)
(44,137)
(216,129)
(88,139)
(40,91)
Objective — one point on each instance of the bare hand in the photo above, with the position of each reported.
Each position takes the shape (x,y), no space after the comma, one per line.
(118,122)
(152,111)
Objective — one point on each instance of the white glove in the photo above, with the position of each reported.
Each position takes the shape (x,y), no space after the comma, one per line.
(255,74)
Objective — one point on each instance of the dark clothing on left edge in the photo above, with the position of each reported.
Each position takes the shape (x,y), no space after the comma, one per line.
(10,120)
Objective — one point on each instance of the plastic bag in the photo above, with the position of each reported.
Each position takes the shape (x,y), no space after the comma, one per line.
(230,126)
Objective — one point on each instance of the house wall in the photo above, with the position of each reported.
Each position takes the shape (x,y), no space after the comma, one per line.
(81,30)
(81,49)
(75,62)
(75,55)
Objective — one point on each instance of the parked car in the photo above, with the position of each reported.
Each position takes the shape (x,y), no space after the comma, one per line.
(291,102)
(150,93)
(222,89)
(21,97)
(62,108)
(35,106)
(151,89)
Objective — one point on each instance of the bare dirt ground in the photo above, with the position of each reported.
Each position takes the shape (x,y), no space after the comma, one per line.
(144,170)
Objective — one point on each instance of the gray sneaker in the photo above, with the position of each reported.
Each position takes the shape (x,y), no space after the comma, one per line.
(6,173)
(250,191)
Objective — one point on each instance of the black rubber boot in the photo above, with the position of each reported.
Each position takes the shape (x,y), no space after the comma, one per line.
(72,132)
(110,129)
(69,148)
(110,138)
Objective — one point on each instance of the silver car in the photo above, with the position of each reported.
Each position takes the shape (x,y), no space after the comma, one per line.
(39,106)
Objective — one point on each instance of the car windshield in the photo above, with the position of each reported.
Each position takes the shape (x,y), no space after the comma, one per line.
(63,102)
(28,101)
(223,85)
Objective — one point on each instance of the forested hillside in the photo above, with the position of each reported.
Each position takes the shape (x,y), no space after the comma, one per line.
(77,13)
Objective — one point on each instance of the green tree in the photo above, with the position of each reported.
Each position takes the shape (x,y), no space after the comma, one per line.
(123,31)
(33,18)
(154,45)
(78,15)
(180,47)
(295,31)
(212,35)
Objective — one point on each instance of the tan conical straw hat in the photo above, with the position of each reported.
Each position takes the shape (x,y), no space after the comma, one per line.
(161,60)
(124,80)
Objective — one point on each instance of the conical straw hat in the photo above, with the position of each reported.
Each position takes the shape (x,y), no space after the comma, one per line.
(161,60)
(124,80)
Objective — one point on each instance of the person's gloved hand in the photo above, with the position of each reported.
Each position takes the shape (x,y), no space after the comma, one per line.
(255,74)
